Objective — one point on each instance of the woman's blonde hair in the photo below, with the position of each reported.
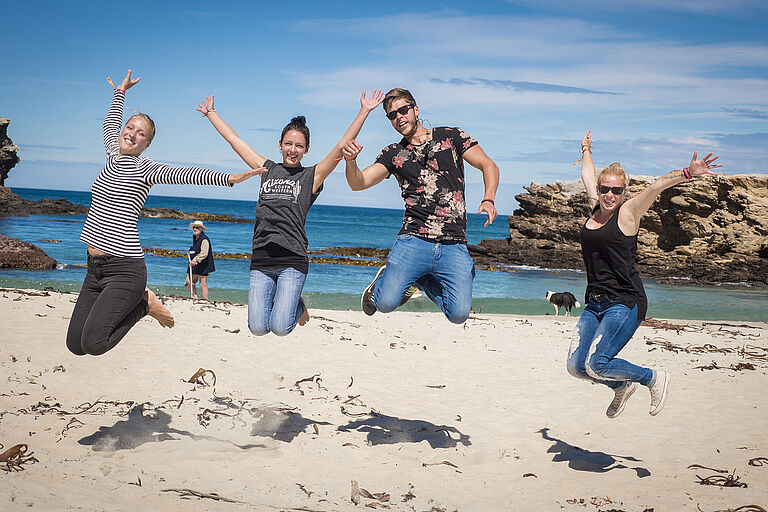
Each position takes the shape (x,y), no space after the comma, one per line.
(615,169)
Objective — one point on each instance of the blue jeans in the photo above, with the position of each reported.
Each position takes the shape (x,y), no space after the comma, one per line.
(274,300)
(604,329)
(444,272)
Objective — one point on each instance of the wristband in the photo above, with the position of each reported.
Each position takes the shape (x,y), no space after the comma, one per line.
(586,148)
(488,201)
(686,173)
(117,89)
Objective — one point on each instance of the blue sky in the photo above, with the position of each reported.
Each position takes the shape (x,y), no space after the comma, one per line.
(654,80)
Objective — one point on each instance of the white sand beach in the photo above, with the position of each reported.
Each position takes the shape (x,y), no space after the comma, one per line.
(401,411)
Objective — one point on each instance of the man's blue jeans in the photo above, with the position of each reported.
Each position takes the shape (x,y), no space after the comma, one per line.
(604,329)
(274,300)
(444,272)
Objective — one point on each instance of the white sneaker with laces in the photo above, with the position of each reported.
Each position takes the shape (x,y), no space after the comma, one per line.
(620,399)
(659,392)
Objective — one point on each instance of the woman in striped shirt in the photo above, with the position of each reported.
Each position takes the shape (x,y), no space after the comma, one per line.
(114,295)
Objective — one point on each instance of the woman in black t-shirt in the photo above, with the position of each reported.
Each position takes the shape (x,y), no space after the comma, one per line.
(279,261)
(615,297)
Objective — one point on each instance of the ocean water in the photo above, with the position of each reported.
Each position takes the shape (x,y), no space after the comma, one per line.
(521,290)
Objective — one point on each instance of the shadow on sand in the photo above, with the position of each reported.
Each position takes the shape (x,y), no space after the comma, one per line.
(283,426)
(139,429)
(383,429)
(585,460)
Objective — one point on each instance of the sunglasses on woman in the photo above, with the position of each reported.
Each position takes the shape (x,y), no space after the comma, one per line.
(402,110)
(617,191)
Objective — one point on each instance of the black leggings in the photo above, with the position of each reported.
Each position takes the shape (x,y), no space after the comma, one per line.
(110,303)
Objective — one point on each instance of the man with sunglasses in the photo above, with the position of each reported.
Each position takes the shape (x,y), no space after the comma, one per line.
(430,251)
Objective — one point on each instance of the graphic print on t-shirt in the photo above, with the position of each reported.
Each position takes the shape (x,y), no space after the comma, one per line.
(280,188)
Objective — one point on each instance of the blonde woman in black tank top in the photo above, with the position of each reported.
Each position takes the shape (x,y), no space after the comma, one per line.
(616,302)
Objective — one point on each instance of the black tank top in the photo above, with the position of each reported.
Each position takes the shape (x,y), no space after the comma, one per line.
(609,256)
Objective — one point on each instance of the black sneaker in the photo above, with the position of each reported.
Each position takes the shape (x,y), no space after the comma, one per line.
(366,301)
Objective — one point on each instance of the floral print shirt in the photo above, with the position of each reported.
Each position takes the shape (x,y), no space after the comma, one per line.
(431,179)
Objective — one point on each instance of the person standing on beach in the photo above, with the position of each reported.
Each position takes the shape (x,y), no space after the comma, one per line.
(279,261)
(201,259)
(615,299)
(114,295)
(430,252)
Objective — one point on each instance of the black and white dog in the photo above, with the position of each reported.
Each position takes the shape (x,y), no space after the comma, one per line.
(564,300)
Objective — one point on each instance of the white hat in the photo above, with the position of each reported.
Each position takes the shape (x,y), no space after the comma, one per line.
(197,223)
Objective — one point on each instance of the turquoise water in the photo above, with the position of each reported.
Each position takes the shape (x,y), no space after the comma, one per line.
(520,291)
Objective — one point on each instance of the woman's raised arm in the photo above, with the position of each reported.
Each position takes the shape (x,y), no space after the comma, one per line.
(588,176)
(249,156)
(328,164)
(635,208)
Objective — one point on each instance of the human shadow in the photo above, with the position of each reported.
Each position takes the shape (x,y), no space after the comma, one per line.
(585,460)
(382,429)
(139,429)
(280,425)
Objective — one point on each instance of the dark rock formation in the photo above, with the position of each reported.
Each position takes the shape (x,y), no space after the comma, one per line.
(13,204)
(8,156)
(710,230)
(18,254)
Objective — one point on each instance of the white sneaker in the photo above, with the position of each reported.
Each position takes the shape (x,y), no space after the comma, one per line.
(620,399)
(659,392)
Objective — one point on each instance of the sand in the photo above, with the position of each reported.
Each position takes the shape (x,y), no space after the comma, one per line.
(401,411)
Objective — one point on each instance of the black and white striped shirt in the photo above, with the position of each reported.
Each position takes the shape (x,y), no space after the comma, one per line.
(119,192)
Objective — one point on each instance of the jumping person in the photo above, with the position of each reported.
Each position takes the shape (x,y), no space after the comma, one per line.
(279,261)
(430,251)
(114,295)
(616,301)
(201,260)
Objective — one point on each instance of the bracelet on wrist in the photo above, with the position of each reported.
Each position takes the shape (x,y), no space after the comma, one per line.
(117,89)
(686,173)
(488,201)
(586,148)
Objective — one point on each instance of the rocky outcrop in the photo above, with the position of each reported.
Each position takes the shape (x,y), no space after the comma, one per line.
(8,151)
(13,204)
(709,230)
(18,254)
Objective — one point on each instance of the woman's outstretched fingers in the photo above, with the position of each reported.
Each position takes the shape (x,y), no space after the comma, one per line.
(703,166)
(127,82)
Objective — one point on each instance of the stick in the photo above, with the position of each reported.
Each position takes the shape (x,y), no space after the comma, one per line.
(190,277)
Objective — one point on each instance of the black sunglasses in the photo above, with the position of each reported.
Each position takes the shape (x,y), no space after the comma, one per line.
(617,191)
(402,110)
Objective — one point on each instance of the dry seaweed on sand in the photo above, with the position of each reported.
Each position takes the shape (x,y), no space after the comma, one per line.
(16,456)
(722,481)
(743,508)
(758,461)
(699,466)
(187,493)
(199,377)
(735,367)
